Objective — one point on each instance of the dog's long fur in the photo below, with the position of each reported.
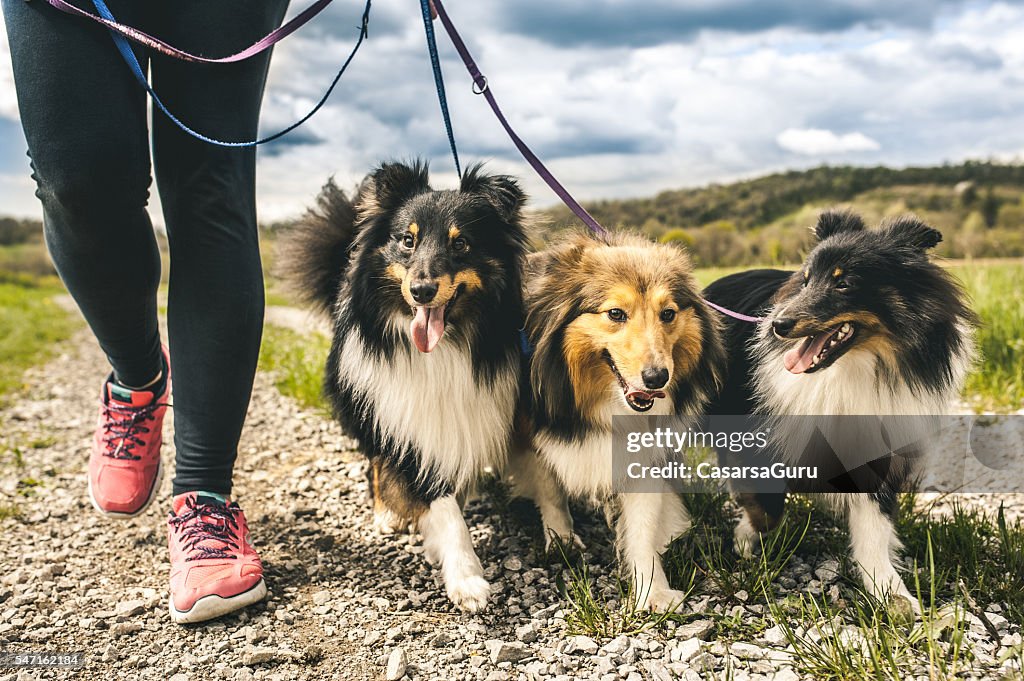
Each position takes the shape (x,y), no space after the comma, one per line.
(573,290)
(908,354)
(430,414)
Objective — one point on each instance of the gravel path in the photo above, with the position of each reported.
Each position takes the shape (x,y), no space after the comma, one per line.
(343,602)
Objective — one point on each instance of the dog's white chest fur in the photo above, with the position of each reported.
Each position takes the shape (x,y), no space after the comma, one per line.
(851,386)
(585,465)
(435,404)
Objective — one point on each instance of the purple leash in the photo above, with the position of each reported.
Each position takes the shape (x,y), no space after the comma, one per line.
(481,87)
(142,38)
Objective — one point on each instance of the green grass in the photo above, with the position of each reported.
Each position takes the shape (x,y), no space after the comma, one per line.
(30,327)
(997,293)
(979,551)
(589,616)
(706,275)
(296,362)
(275,298)
(958,564)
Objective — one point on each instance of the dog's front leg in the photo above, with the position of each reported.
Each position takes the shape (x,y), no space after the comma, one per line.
(874,543)
(647,523)
(532,478)
(446,543)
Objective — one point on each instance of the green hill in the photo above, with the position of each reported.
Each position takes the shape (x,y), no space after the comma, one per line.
(979,206)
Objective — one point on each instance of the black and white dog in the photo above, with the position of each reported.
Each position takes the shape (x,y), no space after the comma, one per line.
(867,326)
(424,288)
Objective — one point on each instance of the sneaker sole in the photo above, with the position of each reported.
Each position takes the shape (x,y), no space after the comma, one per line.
(209,607)
(125,516)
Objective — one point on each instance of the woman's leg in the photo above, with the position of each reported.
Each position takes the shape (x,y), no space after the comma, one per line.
(85,122)
(215,306)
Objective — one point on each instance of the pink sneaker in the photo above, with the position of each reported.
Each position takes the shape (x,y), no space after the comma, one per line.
(214,568)
(125,469)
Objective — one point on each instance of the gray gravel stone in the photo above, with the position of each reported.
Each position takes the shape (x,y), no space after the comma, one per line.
(699,629)
(580,645)
(396,665)
(503,651)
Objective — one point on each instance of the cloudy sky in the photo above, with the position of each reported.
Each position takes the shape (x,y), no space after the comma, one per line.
(630,97)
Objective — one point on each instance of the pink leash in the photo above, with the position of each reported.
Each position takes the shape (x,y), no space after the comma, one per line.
(142,38)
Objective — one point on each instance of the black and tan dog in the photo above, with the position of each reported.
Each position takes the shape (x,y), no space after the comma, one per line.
(618,327)
(867,326)
(424,288)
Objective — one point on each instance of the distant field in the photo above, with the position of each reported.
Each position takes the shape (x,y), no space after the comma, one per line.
(30,327)
(997,293)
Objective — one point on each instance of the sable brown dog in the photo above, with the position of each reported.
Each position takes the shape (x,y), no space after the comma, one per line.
(618,327)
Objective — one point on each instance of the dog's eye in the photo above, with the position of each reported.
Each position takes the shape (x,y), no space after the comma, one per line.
(408,240)
(460,244)
(616,315)
(842,285)
(668,315)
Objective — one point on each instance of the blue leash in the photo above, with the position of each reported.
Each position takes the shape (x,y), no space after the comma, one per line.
(125,48)
(442,98)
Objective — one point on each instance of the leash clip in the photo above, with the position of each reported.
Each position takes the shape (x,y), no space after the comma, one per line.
(479,89)
(364,30)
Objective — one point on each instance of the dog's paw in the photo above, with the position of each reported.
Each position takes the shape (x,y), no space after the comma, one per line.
(386,522)
(566,542)
(663,600)
(469,593)
(903,608)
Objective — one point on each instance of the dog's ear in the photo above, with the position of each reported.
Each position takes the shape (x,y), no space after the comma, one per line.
(392,184)
(833,222)
(501,192)
(910,231)
(555,305)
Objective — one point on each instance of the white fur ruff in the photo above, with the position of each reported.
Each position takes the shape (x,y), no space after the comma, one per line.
(434,403)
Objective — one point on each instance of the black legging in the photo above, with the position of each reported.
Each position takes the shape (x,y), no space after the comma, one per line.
(86,124)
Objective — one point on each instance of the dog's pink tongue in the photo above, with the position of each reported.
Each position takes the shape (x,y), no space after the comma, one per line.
(427,327)
(647,395)
(798,360)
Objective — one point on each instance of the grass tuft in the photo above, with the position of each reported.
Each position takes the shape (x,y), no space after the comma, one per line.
(979,551)
(997,294)
(30,326)
(297,364)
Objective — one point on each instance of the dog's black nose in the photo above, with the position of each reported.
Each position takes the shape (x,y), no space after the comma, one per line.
(783,327)
(655,378)
(423,291)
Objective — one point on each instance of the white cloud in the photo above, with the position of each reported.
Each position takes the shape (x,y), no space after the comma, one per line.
(817,142)
(8,101)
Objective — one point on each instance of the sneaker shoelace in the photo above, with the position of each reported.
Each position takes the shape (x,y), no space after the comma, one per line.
(203,523)
(124,427)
